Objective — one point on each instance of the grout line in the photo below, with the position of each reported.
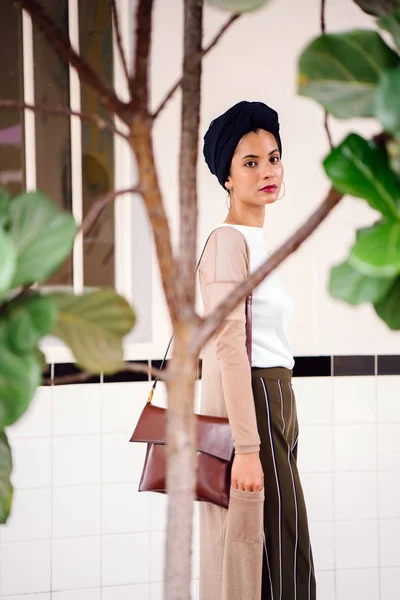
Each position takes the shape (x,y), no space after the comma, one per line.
(163,531)
(102,483)
(126,432)
(52,408)
(377,479)
(333,482)
(135,481)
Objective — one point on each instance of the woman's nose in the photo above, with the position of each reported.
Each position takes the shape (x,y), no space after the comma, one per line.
(267,170)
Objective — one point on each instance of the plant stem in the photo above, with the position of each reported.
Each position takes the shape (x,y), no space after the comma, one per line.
(62,46)
(205,51)
(61,111)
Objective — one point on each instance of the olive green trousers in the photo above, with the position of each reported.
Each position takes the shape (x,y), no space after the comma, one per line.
(260,547)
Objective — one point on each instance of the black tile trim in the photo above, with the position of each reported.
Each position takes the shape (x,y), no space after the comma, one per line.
(354,365)
(70,369)
(126,376)
(156,364)
(312,366)
(305,366)
(389,364)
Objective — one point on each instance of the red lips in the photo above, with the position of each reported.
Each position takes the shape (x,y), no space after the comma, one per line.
(269,188)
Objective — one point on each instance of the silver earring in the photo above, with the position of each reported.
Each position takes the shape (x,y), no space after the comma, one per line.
(284,190)
(228,195)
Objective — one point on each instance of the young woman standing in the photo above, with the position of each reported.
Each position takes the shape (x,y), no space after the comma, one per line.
(260,547)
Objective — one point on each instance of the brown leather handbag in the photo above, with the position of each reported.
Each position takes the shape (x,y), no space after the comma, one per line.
(215,449)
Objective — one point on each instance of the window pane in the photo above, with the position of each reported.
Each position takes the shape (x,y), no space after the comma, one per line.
(95,39)
(53,136)
(12,170)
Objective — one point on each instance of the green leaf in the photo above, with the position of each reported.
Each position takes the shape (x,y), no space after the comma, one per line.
(43,236)
(393,148)
(93,326)
(388,308)
(355,288)
(391,23)
(376,252)
(377,7)
(4,208)
(28,320)
(341,71)
(238,5)
(360,168)
(8,261)
(387,101)
(6,490)
(19,378)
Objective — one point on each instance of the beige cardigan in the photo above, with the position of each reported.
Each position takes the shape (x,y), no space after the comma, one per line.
(226,373)
(231,541)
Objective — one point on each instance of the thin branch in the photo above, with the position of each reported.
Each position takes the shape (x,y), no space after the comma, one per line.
(140,91)
(205,51)
(142,144)
(62,46)
(328,131)
(84,375)
(62,111)
(323,31)
(212,322)
(99,205)
(221,32)
(322,16)
(129,79)
(190,123)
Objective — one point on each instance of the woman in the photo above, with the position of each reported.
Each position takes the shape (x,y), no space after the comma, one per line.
(260,546)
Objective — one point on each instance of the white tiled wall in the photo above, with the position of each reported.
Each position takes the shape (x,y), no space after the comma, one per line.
(79,529)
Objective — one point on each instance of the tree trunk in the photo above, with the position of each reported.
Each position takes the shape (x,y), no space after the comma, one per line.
(181,466)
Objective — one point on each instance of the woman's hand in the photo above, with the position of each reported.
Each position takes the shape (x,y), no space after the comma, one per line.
(247,472)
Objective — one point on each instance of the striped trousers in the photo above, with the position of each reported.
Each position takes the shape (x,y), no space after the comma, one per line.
(288,566)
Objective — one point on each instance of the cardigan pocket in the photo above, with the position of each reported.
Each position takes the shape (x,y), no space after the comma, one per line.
(245,516)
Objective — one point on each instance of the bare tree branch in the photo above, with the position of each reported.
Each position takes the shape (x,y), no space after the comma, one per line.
(142,144)
(323,31)
(322,16)
(122,54)
(210,324)
(190,123)
(328,131)
(205,51)
(62,46)
(140,91)
(221,32)
(85,375)
(181,428)
(99,205)
(62,111)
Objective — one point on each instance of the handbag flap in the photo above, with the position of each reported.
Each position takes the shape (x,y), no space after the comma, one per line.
(214,436)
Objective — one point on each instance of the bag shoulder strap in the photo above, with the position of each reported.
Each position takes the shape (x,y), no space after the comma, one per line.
(248,325)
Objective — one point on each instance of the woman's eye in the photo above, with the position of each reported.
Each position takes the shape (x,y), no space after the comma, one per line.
(250,163)
(275,158)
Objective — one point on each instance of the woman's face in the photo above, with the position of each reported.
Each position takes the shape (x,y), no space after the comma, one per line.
(256,170)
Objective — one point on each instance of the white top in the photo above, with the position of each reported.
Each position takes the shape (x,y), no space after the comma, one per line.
(272,307)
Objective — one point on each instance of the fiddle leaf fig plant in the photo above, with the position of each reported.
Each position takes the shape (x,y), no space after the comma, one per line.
(342,71)
(356,74)
(35,238)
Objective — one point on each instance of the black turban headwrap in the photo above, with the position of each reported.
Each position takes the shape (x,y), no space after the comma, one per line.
(225,132)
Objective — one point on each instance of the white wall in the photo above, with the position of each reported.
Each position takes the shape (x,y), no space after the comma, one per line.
(79,529)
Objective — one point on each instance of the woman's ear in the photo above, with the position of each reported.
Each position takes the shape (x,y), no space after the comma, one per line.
(228,184)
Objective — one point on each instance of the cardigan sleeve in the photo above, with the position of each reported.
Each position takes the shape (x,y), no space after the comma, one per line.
(226,266)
